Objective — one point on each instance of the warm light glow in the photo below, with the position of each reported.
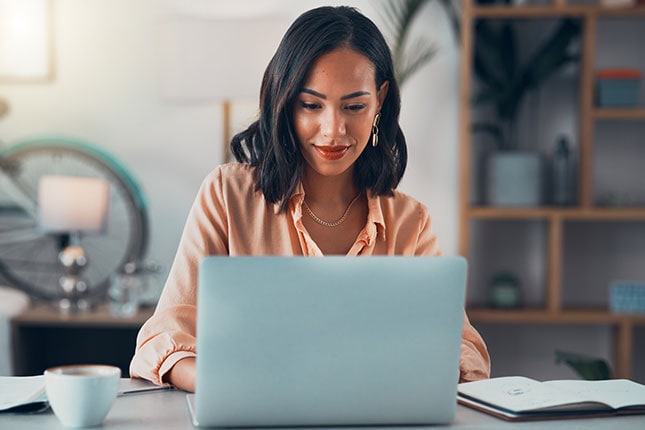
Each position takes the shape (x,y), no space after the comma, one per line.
(72,204)
(24,39)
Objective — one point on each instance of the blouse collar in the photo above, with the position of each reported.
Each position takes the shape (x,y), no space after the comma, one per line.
(375,219)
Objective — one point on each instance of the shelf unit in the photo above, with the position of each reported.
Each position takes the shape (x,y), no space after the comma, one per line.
(553,311)
(43,337)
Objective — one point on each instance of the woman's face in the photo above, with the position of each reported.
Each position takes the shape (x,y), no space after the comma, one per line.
(335,109)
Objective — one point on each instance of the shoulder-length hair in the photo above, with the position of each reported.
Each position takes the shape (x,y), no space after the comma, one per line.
(270,144)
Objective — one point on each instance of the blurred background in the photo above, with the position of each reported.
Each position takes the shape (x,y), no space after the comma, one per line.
(110,59)
(157,87)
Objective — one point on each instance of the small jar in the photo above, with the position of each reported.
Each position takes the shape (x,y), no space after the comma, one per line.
(504,291)
(124,292)
(135,285)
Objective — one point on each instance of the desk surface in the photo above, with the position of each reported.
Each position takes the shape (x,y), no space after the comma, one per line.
(168,410)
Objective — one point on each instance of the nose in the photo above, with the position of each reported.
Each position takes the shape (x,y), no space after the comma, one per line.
(333,124)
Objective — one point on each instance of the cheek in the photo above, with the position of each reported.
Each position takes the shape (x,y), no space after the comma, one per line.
(362,129)
(303,126)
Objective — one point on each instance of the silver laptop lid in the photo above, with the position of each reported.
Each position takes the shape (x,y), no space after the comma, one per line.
(294,341)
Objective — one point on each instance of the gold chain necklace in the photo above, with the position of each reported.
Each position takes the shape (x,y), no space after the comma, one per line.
(336,223)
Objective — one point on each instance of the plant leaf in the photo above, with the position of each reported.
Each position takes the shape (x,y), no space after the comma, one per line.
(398,17)
(421,53)
(552,54)
(505,82)
(450,6)
(589,368)
(485,96)
(491,129)
(487,56)
(507,46)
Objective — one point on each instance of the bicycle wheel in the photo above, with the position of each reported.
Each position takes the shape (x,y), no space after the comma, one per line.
(28,257)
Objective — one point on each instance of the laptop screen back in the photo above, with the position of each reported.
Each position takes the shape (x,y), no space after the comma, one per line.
(294,341)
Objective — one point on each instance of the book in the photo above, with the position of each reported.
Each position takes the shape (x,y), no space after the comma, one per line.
(27,393)
(517,398)
(22,394)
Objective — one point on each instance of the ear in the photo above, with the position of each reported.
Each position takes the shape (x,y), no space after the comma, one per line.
(382,92)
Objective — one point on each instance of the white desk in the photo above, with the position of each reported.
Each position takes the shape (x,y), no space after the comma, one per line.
(167,410)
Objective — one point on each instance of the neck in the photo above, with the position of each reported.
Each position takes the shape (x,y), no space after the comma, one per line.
(339,189)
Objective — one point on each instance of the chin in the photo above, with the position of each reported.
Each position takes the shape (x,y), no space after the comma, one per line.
(330,170)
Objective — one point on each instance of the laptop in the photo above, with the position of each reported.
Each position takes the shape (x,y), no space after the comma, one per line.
(328,341)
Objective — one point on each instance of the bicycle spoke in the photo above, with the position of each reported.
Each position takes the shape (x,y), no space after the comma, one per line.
(28,257)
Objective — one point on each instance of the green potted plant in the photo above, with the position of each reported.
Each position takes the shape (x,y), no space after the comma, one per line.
(514,176)
(399,17)
(588,368)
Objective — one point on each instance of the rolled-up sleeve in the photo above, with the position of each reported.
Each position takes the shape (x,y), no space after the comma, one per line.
(170,334)
(167,337)
(474,362)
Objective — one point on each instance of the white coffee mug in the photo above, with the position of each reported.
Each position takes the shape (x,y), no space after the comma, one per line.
(82,395)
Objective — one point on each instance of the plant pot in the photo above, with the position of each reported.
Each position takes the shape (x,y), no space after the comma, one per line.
(514,178)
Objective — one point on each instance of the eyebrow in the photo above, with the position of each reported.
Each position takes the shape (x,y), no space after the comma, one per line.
(345,97)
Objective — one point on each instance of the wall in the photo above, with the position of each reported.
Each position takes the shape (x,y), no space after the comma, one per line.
(106,90)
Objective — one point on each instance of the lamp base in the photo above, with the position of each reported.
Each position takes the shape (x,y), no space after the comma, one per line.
(69,306)
(75,292)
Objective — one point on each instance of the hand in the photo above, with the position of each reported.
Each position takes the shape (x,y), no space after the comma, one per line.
(182,374)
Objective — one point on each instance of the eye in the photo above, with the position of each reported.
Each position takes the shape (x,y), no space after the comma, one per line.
(355,107)
(310,106)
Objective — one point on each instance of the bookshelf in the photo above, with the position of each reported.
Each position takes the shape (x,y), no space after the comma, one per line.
(553,221)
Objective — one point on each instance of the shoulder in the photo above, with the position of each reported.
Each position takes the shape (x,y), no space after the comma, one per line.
(408,223)
(229,185)
(231,177)
(401,205)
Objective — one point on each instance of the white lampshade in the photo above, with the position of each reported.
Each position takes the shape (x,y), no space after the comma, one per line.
(72,204)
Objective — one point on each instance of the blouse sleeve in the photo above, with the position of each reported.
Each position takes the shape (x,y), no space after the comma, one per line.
(474,362)
(169,334)
(427,243)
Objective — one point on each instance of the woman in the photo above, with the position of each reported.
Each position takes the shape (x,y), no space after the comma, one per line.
(317,176)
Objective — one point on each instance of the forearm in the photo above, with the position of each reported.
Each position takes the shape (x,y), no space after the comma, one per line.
(182,374)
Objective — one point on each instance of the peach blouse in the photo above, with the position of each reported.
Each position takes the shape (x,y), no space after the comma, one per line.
(229,217)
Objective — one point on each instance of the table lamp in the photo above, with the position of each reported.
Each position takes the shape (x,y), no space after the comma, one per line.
(218,59)
(72,206)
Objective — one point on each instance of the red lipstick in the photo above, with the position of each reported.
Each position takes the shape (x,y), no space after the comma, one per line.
(331,152)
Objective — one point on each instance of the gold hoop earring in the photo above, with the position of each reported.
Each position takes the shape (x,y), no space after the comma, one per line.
(375,129)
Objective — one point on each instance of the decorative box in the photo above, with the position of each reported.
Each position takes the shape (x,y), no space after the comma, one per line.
(627,297)
(618,3)
(617,87)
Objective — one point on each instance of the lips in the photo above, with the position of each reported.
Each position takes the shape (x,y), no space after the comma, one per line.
(332,152)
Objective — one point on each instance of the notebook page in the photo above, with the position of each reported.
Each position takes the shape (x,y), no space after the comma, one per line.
(16,391)
(616,393)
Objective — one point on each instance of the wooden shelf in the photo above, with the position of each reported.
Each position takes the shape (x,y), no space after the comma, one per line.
(554,218)
(553,11)
(541,316)
(619,114)
(555,213)
(46,315)
(44,337)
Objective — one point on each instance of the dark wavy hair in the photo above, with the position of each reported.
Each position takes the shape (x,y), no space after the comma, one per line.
(270,144)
